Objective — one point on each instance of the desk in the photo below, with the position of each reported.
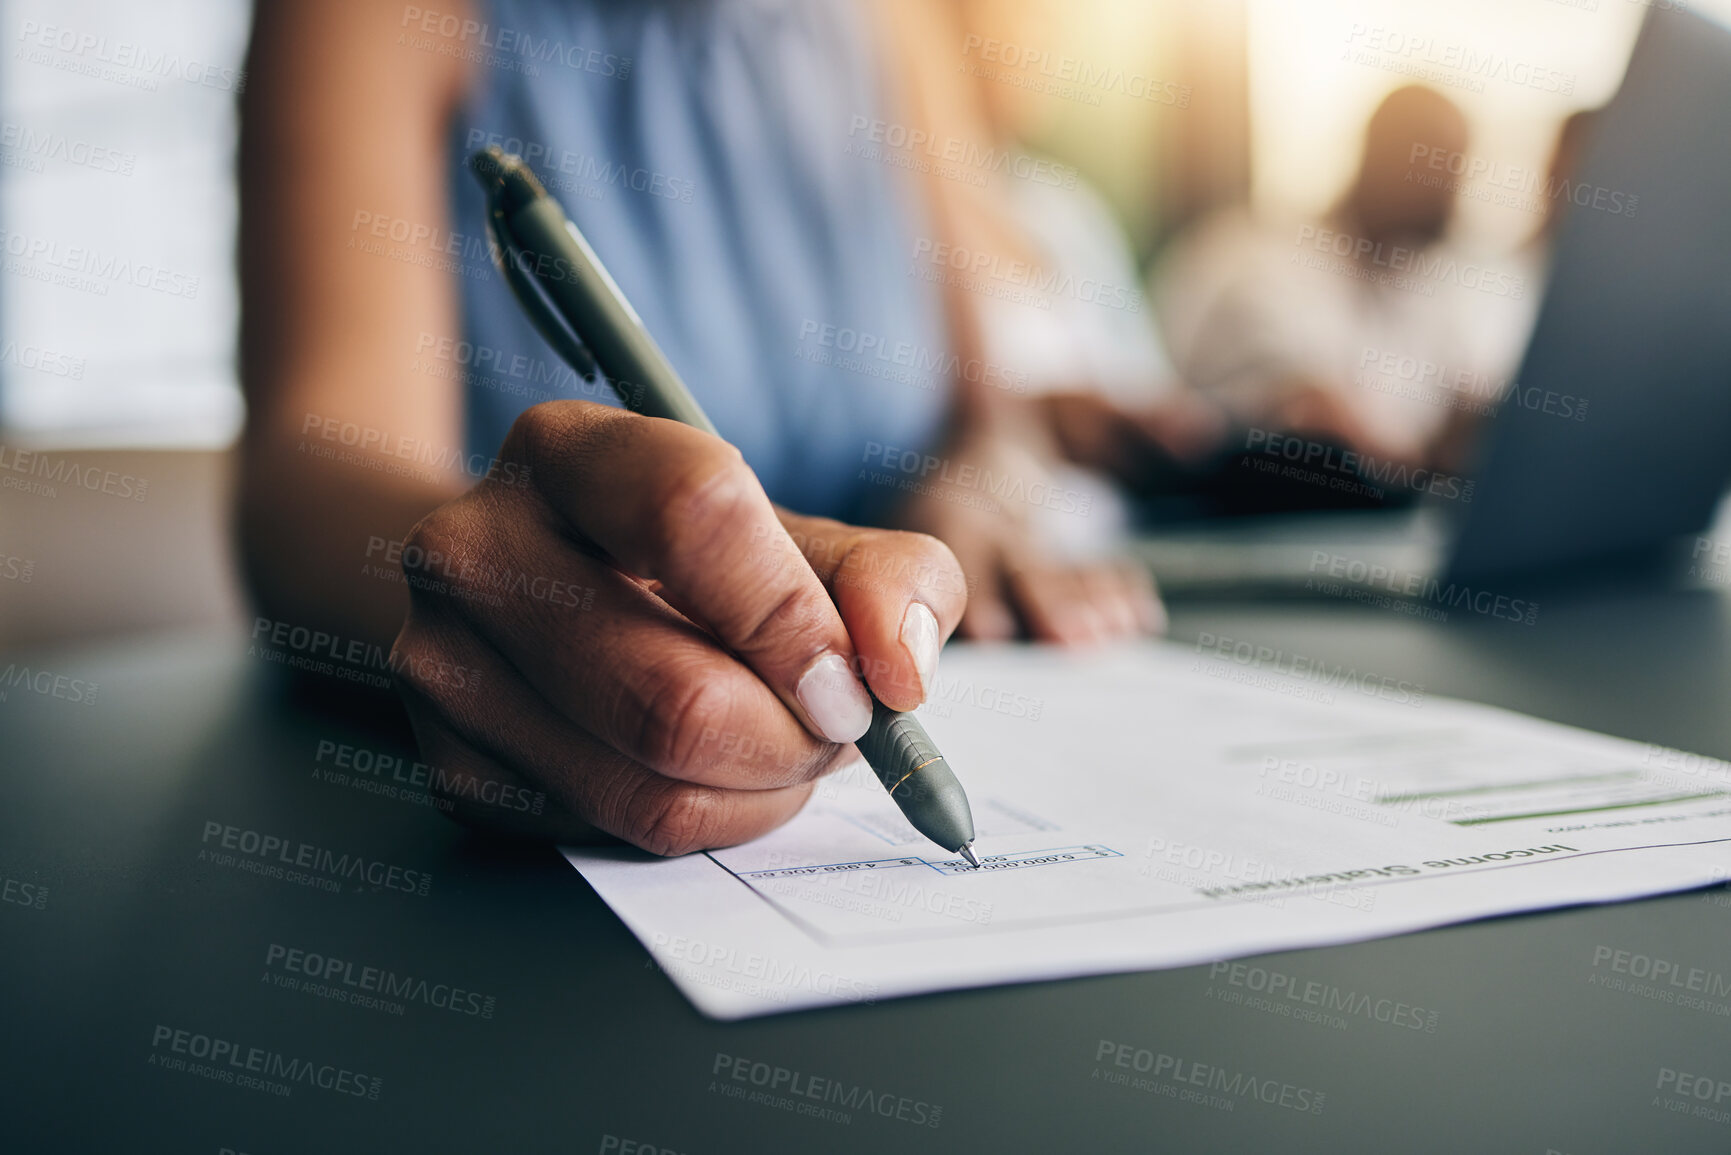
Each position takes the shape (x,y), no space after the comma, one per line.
(581,1045)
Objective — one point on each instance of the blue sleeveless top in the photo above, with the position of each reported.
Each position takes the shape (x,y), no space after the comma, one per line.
(710,152)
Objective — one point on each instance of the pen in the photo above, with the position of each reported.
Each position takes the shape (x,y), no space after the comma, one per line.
(588,321)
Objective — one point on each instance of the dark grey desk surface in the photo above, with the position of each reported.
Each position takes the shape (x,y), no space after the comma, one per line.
(589,1047)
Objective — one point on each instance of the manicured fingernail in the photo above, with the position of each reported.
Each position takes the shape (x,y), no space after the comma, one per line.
(834,700)
(920,637)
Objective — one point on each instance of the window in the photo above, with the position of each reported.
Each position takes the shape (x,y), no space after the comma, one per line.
(117,219)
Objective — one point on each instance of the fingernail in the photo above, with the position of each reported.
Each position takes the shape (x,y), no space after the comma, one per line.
(920,637)
(834,700)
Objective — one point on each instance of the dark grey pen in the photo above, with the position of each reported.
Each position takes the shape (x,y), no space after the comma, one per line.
(586,318)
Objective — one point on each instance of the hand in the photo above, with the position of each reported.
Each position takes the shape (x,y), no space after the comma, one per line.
(1014,584)
(642,639)
(1143,449)
(1310,408)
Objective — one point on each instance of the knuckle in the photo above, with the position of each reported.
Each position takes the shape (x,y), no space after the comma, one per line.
(798,614)
(678,820)
(681,707)
(433,533)
(938,566)
(450,555)
(551,436)
(706,502)
(540,431)
(438,543)
(903,561)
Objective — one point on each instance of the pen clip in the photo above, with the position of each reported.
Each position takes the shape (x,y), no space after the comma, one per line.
(542,315)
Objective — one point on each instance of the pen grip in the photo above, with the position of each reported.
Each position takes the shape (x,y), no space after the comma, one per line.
(919,779)
(894,744)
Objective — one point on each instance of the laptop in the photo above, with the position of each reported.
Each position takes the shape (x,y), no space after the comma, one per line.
(1636,320)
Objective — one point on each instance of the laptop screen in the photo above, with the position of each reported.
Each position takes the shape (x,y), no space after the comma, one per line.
(1636,321)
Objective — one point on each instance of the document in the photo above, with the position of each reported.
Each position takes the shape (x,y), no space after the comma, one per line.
(1161,806)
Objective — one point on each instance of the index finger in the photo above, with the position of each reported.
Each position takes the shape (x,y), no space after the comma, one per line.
(900,595)
(680,506)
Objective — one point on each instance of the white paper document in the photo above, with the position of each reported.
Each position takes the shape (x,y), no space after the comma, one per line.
(1156,807)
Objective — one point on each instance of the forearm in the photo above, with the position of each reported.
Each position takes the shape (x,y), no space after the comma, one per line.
(337,122)
(321,536)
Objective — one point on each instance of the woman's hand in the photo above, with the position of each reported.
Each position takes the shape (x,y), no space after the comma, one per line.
(649,641)
(980,500)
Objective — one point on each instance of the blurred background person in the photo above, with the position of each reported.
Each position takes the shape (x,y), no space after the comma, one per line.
(1503,326)
(1277,321)
(1072,326)
(1097,333)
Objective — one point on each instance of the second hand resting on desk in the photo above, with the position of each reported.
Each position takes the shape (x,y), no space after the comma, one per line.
(585,317)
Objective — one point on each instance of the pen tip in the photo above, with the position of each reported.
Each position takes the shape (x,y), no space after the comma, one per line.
(967,852)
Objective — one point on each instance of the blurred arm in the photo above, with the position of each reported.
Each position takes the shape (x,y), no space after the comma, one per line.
(925,40)
(339,121)
(1014,583)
